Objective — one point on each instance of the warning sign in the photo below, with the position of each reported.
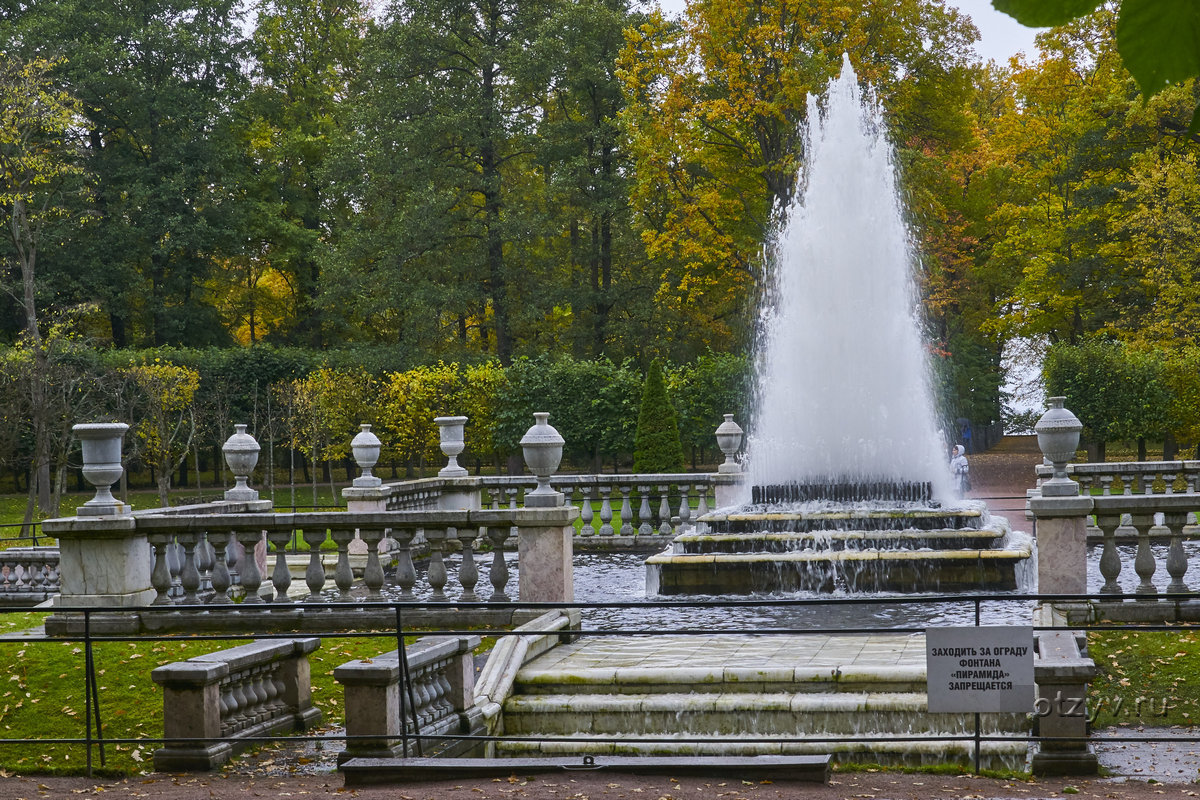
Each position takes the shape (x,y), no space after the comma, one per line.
(980,669)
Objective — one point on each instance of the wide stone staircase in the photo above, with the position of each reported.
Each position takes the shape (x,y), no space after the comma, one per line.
(738,695)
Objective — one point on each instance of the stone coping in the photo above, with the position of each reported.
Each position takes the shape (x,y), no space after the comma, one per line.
(1016,554)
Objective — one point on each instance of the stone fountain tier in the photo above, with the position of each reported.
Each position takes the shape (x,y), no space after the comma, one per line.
(758,518)
(852,549)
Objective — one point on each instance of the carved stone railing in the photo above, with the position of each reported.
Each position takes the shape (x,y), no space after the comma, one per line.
(211,702)
(1147,504)
(142,574)
(382,713)
(1133,477)
(610,505)
(28,575)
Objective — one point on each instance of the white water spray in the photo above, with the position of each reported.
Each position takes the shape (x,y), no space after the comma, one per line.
(843,382)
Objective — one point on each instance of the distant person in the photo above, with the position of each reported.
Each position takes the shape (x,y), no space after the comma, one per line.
(966,437)
(961,470)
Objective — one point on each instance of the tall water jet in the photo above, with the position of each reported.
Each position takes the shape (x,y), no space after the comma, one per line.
(846,465)
(843,389)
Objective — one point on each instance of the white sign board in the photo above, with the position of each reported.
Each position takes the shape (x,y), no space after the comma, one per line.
(987,668)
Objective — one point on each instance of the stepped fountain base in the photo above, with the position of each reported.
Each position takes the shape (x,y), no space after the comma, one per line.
(852,549)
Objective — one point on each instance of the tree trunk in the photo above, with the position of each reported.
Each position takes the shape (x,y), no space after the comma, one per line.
(1141,446)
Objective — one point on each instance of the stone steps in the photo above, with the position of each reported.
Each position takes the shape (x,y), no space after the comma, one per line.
(837,540)
(750,714)
(742,697)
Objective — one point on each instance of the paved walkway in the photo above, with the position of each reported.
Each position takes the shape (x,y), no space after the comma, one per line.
(715,657)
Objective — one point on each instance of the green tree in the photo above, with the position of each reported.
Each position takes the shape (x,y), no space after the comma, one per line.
(1159,40)
(715,103)
(448,212)
(305,58)
(157,81)
(164,418)
(657,447)
(38,175)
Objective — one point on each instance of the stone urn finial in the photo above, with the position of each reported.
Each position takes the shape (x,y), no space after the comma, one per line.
(452,443)
(241,456)
(101,445)
(729,439)
(1058,437)
(366,448)
(542,446)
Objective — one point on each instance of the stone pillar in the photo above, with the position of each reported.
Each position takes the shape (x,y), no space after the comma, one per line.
(104,561)
(545,550)
(730,489)
(1062,674)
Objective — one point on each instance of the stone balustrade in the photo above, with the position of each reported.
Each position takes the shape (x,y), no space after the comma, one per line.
(610,505)
(1133,477)
(211,702)
(382,712)
(28,575)
(195,576)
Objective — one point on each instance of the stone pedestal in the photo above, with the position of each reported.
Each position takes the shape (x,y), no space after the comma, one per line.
(545,548)
(104,561)
(1062,674)
(459,494)
(364,500)
(1061,543)
(730,489)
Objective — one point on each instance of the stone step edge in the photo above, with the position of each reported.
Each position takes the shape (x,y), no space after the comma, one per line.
(688,677)
(759,702)
(377,771)
(865,743)
(843,535)
(1018,554)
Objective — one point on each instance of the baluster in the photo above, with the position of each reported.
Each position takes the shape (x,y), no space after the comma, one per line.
(34,575)
(343,576)
(1177,561)
(251,577)
(468,573)
(606,512)
(644,511)
(702,507)
(685,506)
(221,581)
(205,558)
(175,565)
(437,563)
(160,574)
(1127,483)
(241,703)
(1144,564)
(189,576)
(1169,479)
(1110,559)
(373,574)
(281,576)
(1106,484)
(498,575)
(231,709)
(664,511)
(585,510)
(512,491)
(406,573)
(626,511)
(314,573)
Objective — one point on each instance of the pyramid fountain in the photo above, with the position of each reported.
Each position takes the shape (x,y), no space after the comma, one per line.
(848,484)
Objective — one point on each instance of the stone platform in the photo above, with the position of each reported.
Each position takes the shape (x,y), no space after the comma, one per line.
(744,695)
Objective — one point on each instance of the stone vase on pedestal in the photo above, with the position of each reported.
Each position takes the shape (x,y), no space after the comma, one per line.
(101,445)
(542,447)
(241,456)
(452,444)
(366,448)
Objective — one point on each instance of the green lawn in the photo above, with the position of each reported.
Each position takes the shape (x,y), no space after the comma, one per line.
(43,694)
(1146,678)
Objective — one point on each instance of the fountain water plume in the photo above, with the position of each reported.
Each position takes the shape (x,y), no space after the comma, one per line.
(843,393)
